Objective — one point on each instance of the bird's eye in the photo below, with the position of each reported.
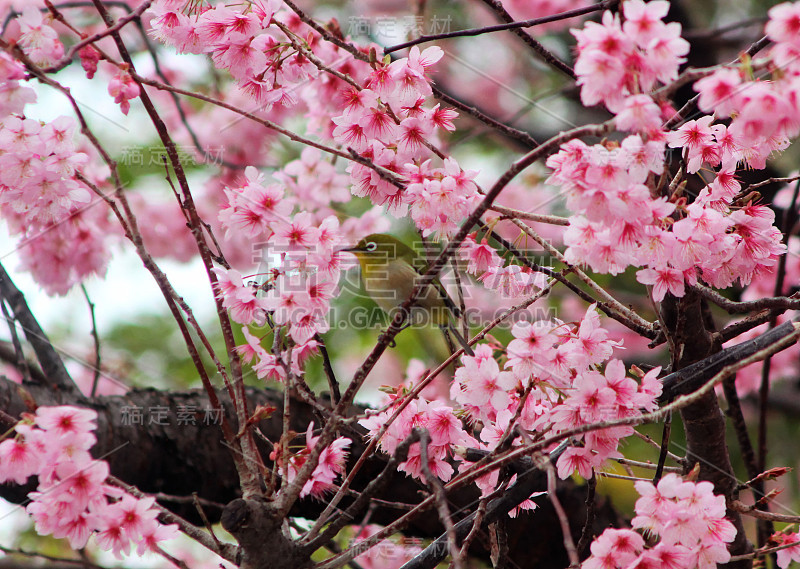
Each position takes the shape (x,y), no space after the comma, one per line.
(371,246)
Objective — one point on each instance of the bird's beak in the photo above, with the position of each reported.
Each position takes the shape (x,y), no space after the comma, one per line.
(352,250)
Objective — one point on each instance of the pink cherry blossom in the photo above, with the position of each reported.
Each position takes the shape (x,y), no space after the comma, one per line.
(19,461)
(331,464)
(66,420)
(719,92)
(686,523)
(784,22)
(639,113)
(73,500)
(614,548)
(665,279)
(123,88)
(693,134)
(786,556)
(643,20)
(483,383)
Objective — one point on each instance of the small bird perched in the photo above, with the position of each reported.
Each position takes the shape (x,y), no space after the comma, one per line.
(389,274)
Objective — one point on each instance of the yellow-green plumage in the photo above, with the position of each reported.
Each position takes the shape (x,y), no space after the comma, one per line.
(389,274)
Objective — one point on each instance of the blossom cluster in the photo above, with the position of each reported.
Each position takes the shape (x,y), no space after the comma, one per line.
(301,284)
(37,38)
(511,280)
(385,554)
(551,379)
(264,64)
(445,429)
(331,463)
(763,111)
(386,120)
(376,108)
(688,519)
(74,499)
(559,367)
(618,221)
(303,279)
(302,265)
(618,60)
(41,199)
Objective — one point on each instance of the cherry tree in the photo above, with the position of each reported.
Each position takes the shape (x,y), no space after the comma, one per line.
(622,263)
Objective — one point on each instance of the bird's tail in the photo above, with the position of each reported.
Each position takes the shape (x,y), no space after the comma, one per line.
(451,329)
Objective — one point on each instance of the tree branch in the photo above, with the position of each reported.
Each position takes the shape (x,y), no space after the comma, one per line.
(53,368)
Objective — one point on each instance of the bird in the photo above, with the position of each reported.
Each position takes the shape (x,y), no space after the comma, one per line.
(389,274)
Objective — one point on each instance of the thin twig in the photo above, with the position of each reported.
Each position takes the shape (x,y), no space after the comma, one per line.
(201,512)
(53,558)
(19,356)
(761,552)
(740,307)
(336,395)
(569,543)
(647,465)
(623,477)
(754,512)
(740,327)
(740,427)
(550,58)
(716,32)
(666,432)
(537,217)
(767,182)
(96,338)
(480,513)
(503,27)
(586,534)
(440,499)
(650,441)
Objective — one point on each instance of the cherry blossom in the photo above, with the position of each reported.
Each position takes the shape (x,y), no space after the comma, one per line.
(123,88)
(789,554)
(686,517)
(74,499)
(331,464)
(386,554)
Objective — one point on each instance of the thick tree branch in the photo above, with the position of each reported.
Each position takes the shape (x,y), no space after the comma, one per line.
(693,376)
(53,368)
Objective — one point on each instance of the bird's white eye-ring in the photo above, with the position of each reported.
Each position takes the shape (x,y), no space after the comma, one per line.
(371,246)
